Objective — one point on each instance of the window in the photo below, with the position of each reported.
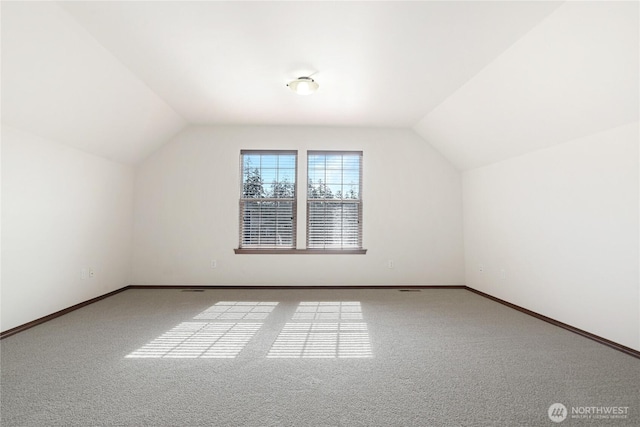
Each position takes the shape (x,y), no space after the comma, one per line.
(334,202)
(268,200)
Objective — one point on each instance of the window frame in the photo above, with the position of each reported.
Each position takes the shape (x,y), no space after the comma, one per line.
(336,201)
(294,250)
(243,247)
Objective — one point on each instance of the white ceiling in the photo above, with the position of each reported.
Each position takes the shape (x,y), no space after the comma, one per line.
(59,83)
(481,81)
(574,74)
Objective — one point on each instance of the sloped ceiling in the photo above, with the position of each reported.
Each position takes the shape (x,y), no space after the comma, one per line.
(481,81)
(574,74)
(60,83)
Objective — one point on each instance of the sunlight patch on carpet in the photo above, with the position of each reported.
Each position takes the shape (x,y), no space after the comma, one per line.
(339,310)
(322,340)
(237,310)
(218,340)
(199,340)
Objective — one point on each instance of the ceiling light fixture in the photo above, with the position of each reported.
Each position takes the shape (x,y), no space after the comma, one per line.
(303,86)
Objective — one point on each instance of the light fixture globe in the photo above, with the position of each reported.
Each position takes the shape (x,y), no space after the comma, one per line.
(303,86)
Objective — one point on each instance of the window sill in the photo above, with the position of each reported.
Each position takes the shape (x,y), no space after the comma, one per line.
(300,251)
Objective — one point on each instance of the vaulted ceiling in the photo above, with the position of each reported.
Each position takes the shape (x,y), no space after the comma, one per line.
(480,81)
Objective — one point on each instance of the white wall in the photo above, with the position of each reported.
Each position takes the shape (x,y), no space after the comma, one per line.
(186,211)
(556,232)
(62,211)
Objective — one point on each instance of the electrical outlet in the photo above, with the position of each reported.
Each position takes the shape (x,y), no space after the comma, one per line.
(214,263)
(391,264)
(83,273)
(92,273)
(480,268)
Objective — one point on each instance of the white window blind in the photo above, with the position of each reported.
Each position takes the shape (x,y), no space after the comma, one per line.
(334,200)
(268,199)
